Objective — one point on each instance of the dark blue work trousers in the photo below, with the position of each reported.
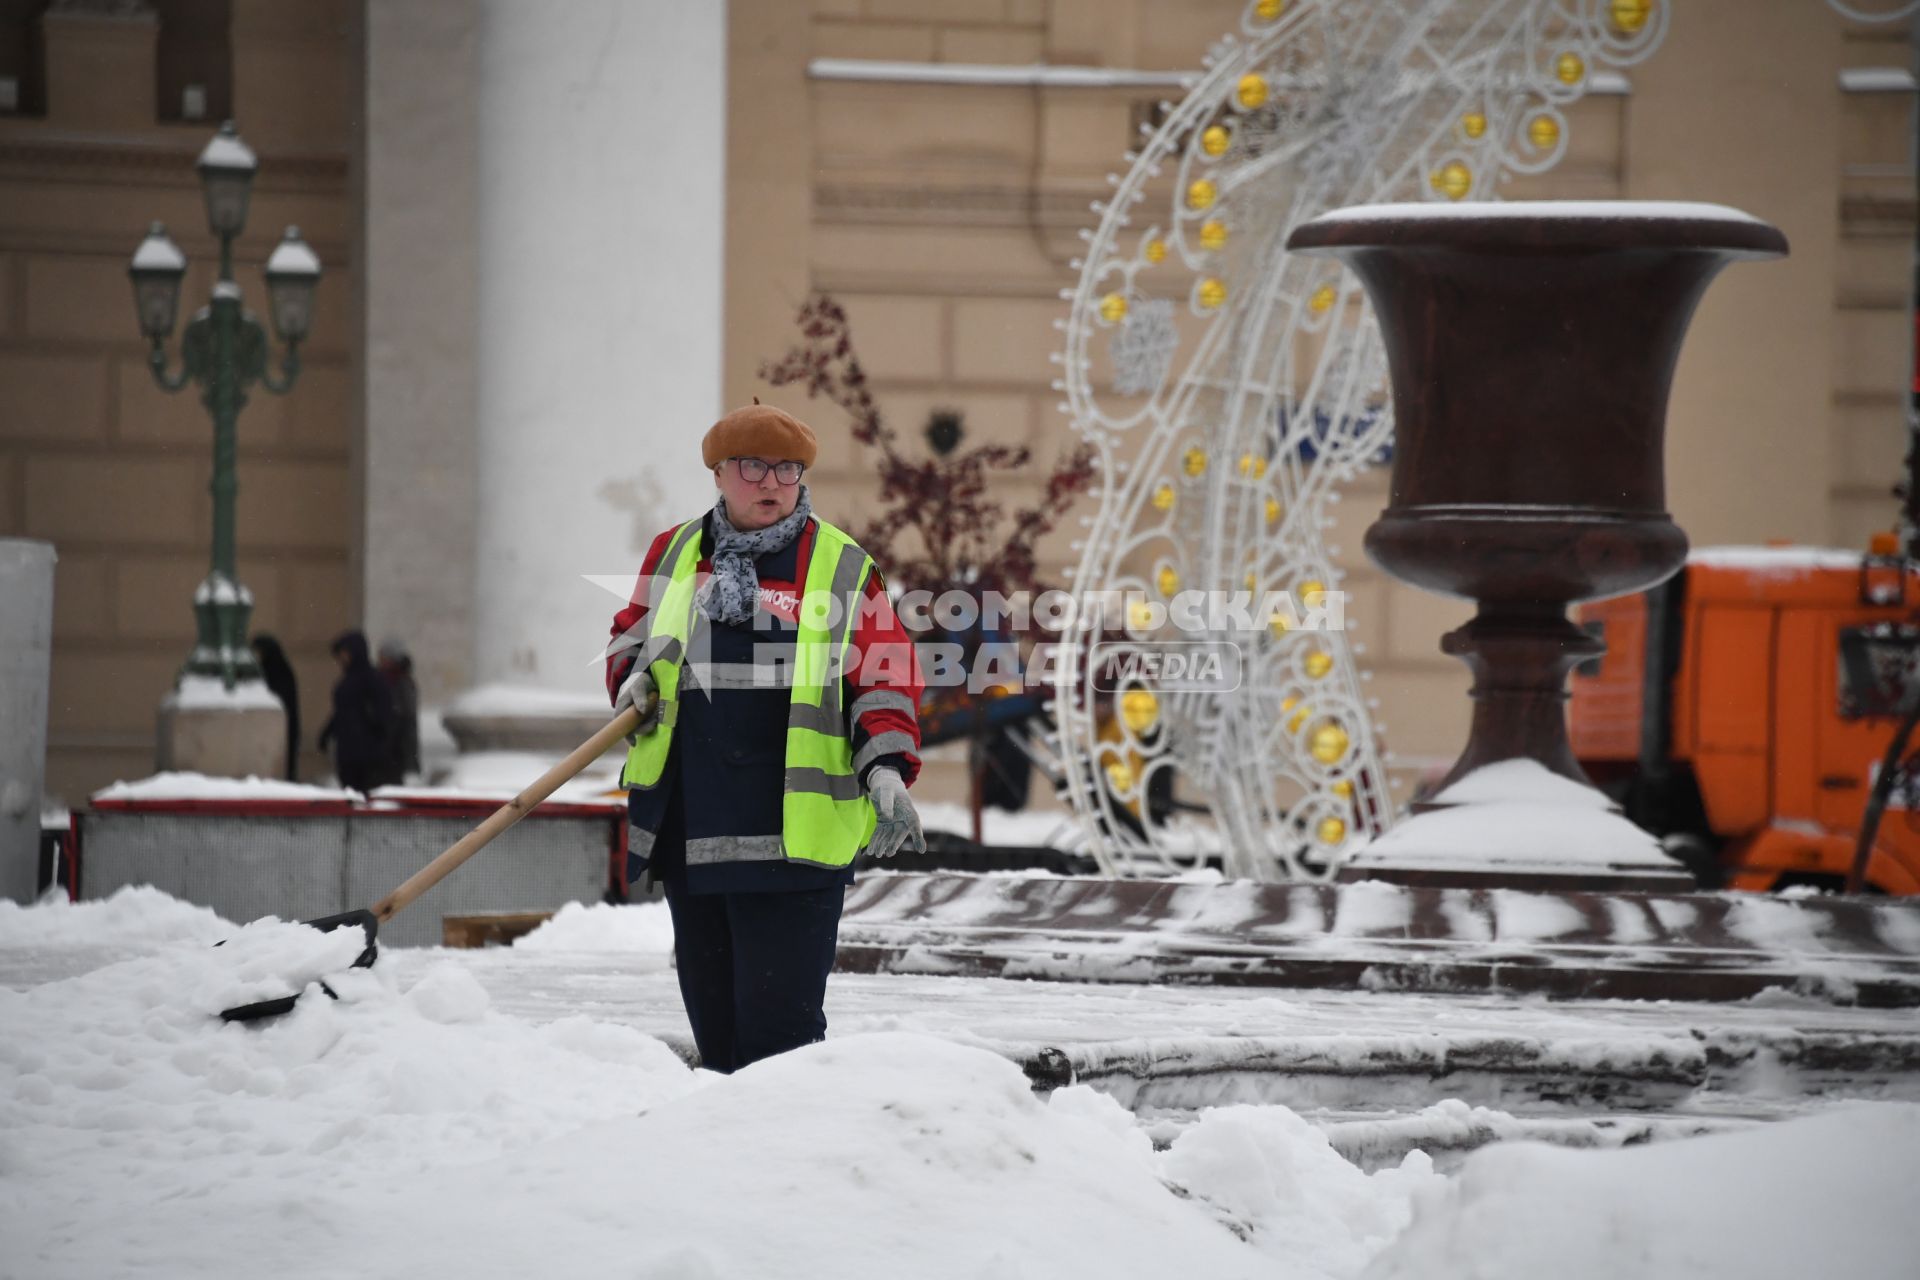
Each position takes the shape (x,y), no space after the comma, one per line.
(753,969)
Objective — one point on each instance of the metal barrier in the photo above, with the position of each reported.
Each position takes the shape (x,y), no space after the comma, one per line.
(297,860)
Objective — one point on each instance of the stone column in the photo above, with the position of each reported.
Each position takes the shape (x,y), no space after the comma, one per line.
(26,639)
(419,149)
(602,153)
(534,405)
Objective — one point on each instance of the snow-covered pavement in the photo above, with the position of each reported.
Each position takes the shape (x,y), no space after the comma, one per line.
(516,1112)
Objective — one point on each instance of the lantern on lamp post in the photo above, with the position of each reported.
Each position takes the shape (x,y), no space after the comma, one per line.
(224,350)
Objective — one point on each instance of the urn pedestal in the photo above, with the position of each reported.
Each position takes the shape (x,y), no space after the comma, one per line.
(1531,347)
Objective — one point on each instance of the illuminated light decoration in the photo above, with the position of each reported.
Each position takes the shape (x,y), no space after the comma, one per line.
(1253,466)
(1211,294)
(1113,308)
(1140,709)
(1543,131)
(1569,69)
(1363,103)
(1329,743)
(1168,580)
(1629,16)
(1268,10)
(1251,92)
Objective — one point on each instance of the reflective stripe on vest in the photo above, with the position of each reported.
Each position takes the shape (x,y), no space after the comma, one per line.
(825,819)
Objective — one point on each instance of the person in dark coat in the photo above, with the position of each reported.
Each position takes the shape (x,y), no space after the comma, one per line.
(361,728)
(755,889)
(396,668)
(278,673)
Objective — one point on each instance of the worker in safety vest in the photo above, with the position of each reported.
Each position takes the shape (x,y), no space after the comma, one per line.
(781,743)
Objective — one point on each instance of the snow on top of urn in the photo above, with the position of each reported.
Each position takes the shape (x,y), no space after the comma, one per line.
(1575,210)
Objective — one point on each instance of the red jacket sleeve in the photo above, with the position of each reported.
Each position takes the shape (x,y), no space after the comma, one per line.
(627,632)
(883,687)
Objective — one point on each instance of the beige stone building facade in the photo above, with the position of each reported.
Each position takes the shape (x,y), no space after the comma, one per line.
(943,214)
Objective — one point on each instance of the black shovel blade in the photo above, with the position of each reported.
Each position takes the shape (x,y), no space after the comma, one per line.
(362,918)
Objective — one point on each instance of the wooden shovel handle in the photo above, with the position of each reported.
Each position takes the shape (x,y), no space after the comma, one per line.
(508,814)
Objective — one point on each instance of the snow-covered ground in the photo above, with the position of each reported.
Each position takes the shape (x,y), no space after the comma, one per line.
(519,1112)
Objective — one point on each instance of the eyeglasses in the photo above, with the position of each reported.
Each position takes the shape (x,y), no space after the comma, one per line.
(754,470)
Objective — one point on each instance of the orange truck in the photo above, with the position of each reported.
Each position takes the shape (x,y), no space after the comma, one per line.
(1743,709)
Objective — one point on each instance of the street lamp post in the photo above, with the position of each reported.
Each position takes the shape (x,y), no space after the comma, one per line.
(225,351)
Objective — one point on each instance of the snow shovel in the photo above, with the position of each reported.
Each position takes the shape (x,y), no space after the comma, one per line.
(441,867)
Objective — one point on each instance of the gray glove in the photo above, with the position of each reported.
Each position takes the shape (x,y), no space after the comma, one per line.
(638,691)
(898,821)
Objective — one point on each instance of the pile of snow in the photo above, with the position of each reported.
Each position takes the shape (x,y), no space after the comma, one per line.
(645,927)
(200,786)
(1826,1195)
(417,1130)
(1518,815)
(134,915)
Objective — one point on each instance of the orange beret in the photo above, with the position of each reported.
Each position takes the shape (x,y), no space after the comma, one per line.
(759,431)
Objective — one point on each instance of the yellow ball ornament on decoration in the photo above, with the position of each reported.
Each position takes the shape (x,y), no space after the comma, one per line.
(1268,10)
(1201,193)
(1216,140)
(1331,831)
(1318,663)
(1323,299)
(1343,788)
(1273,510)
(1155,250)
(1139,615)
(1328,744)
(1252,466)
(1569,69)
(1630,15)
(1213,235)
(1543,132)
(1299,716)
(1279,625)
(1250,582)
(1113,308)
(1163,498)
(1311,593)
(1251,92)
(1168,580)
(1194,461)
(1119,777)
(1474,124)
(1210,294)
(1454,180)
(1140,709)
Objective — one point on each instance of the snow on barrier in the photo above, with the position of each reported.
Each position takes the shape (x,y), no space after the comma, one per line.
(250,848)
(1703,946)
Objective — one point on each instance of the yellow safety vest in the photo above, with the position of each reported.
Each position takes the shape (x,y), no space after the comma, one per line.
(825,818)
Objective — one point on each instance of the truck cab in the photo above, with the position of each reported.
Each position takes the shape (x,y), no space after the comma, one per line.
(1743,707)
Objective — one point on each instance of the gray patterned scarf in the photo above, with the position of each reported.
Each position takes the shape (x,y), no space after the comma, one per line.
(732,592)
